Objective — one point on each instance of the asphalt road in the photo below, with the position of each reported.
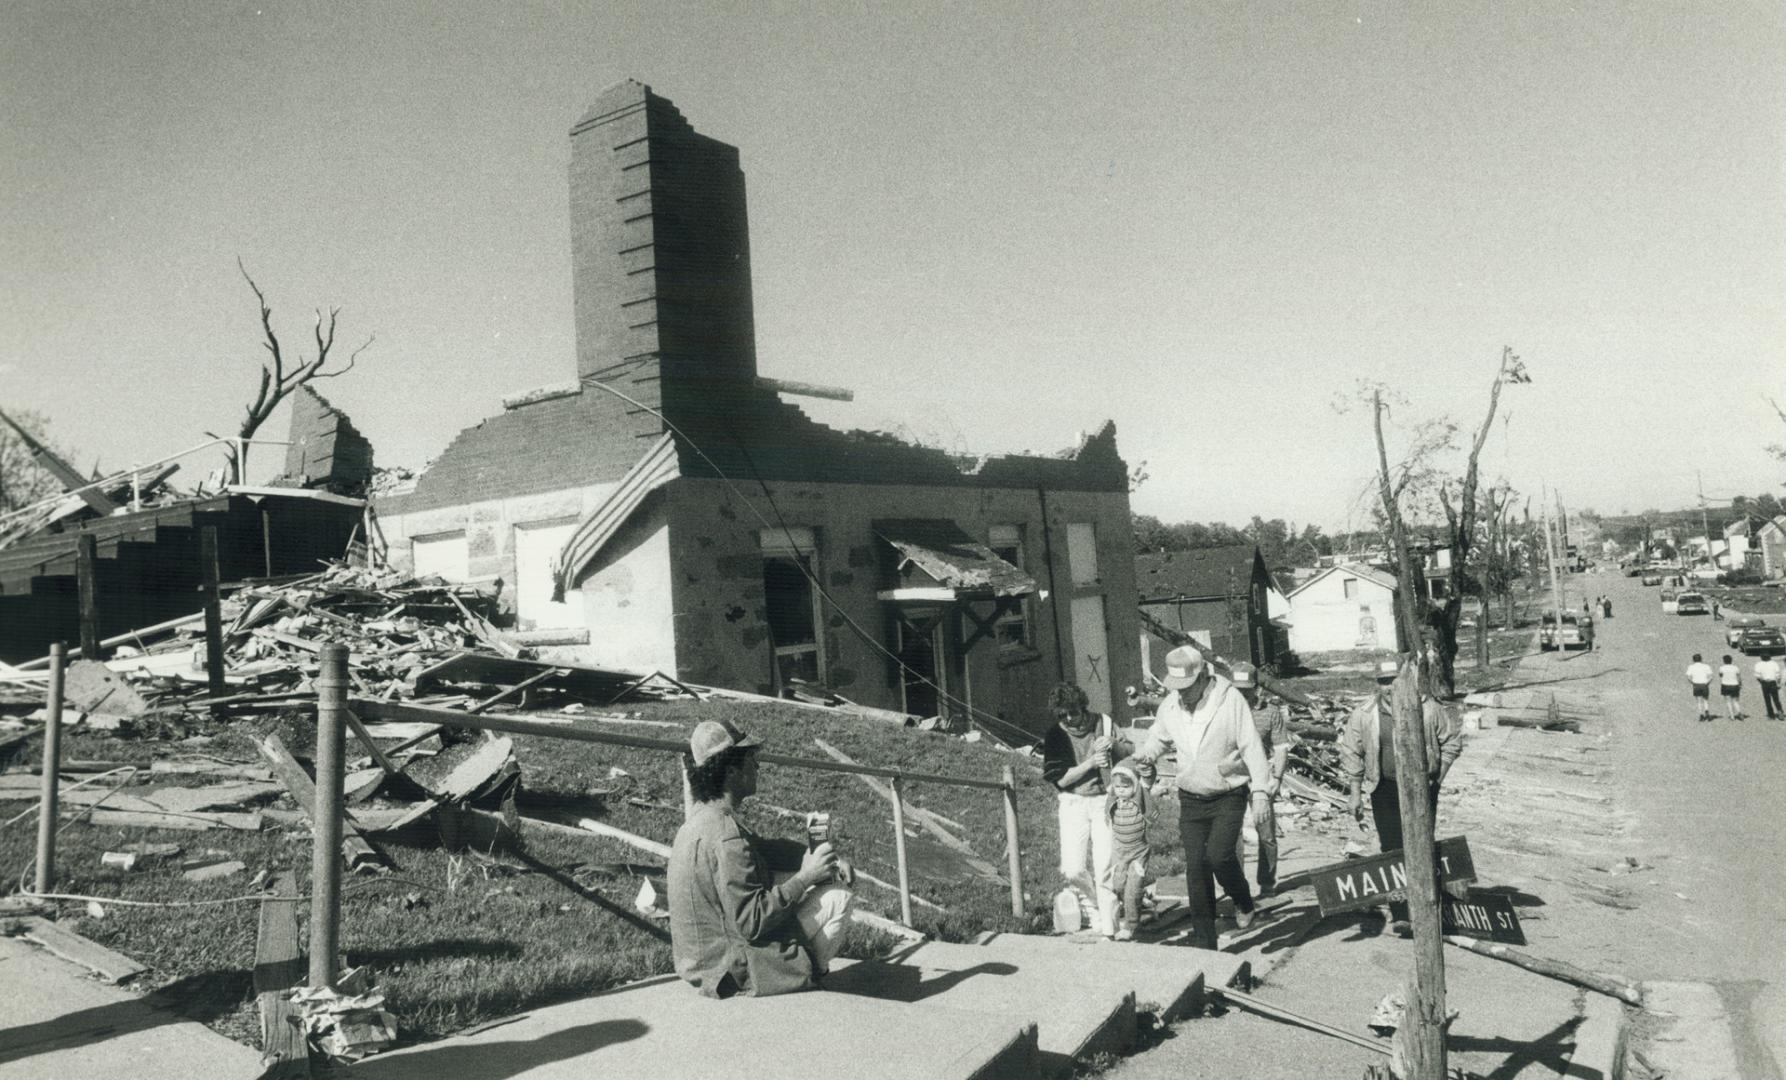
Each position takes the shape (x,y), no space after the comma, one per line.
(1706,806)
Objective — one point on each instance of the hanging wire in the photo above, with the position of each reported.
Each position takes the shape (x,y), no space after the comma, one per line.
(802,558)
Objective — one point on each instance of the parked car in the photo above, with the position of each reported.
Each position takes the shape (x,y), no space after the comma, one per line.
(1690,603)
(1577,632)
(1736,624)
(1762,641)
(1669,601)
(1652,577)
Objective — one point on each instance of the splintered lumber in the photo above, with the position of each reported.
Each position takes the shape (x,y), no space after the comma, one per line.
(284,1048)
(278,950)
(112,967)
(1610,985)
(662,851)
(303,791)
(922,818)
(477,770)
(1296,785)
(170,819)
(1248,1001)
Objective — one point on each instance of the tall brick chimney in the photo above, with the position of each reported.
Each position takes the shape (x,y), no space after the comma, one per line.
(660,254)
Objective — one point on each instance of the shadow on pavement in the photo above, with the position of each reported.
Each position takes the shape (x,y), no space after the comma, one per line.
(497,1060)
(203,997)
(1552,1050)
(1501,688)
(434,950)
(906,982)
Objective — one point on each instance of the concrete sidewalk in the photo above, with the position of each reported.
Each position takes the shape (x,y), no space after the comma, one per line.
(60,1021)
(1511,1023)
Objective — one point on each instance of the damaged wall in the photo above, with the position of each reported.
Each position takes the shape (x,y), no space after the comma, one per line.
(722,629)
(326,450)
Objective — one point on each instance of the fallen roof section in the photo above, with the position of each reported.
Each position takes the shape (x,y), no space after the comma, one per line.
(652,471)
(936,556)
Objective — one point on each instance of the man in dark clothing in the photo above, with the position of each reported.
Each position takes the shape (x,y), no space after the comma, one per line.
(734,929)
(1274,736)
(1367,750)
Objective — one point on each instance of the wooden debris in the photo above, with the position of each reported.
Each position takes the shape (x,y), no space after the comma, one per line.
(476,771)
(922,818)
(1610,985)
(212,869)
(91,687)
(147,819)
(284,1047)
(303,790)
(111,966)
(278,951)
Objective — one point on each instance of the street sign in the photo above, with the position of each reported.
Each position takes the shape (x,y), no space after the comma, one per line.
(1364,883)
(1485,915)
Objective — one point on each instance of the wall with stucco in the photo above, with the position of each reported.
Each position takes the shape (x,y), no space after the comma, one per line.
(1322,619)
(626,596)
(722,635)
(489,528)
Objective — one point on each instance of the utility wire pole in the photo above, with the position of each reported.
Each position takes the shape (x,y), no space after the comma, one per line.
(1705,528)
(1556,587)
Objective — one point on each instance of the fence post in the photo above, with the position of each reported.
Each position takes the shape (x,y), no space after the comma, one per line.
(208,574)
(86,577)
(905,890)
(48,812)
(1010,794)
(325,865)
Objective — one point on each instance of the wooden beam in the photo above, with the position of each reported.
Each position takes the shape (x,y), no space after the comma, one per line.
(86,573)
(278,951)
(303,791)
(207,566)
(112,967)
(805,389)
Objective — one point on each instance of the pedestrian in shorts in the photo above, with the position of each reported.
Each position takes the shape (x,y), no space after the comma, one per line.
(1699,676)
(1730,688)
(1767,676)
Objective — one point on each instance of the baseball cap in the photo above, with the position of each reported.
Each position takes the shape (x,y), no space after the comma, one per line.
(1184,665)
(1387,670)
(711,738)
(1244,675)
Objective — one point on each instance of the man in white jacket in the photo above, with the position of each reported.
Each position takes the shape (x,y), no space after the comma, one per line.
(1206,721)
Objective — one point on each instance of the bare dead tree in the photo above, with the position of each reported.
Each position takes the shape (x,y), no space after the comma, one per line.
(1461,523)
(278,379)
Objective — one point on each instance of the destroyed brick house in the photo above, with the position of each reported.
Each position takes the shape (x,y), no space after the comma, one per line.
(671,505)
(1218,596)
(146,556)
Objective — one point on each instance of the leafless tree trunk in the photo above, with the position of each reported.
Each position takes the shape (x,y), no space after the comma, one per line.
(1461,526)
(277,380)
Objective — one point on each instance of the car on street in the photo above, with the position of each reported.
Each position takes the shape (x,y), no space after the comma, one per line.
(1736,624)
(1670,600)
(1762,641)
(1577,631)
(1652,577)
(1690,603)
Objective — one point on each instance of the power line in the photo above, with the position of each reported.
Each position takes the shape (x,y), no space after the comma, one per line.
(801,559)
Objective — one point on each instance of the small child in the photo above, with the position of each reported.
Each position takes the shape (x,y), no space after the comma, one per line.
(1127,808)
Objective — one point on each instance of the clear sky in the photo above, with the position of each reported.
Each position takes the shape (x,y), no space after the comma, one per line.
(1000,224)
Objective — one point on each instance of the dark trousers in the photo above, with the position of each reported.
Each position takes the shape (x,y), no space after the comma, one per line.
(1266,825)
(1386,811)
(1208,829)
(1770,699)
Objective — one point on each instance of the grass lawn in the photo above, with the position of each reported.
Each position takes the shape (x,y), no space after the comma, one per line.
(459,939)
(1748,599)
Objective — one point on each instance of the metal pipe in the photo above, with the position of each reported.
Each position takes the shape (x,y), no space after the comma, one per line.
(325,866)
(905,887)
(118,477)
(365,708)
(48,811)
(1012,854)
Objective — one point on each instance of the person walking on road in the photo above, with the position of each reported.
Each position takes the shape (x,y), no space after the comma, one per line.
(1221,764)
(1367,752)
(1767,677)
(1606,606)
(1274,736)
(1077,753)
(1718,613)
(1730,688)
(1699,676)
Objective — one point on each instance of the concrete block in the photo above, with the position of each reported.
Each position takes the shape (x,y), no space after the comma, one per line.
(1174,977)
(1097,1016)
(663,1027)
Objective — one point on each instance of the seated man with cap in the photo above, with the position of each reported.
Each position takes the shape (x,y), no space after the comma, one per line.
(735,929)
(1367,751)
(1220,761)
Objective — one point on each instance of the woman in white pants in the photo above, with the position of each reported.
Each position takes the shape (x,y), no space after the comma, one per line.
(1076,757)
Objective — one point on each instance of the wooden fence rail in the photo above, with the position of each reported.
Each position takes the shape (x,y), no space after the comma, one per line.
(333,702)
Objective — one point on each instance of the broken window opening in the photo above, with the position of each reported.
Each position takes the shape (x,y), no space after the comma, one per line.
(792,607)
(1012,627)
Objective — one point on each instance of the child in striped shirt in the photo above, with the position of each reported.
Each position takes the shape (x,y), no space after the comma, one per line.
(1127,809)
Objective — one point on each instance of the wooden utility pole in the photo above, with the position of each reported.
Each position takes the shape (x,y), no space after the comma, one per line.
(208,574)
(325,818)
(1481,631)
(49,816)
(1556,585)
(1422,1032)
(86,576)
